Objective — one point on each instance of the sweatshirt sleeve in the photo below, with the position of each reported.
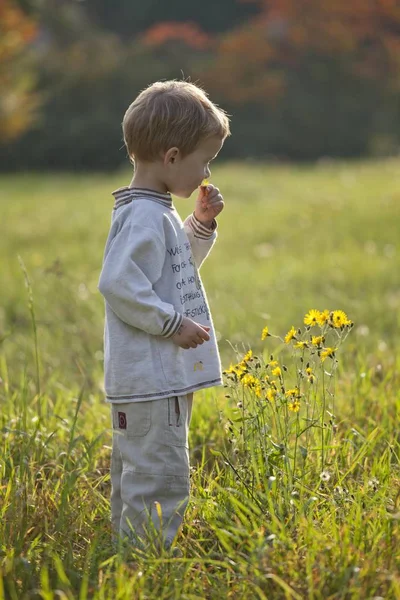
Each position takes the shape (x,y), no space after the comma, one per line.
(200,237)
(132,264)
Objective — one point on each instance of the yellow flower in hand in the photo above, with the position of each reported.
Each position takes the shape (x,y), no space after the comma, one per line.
(204,185)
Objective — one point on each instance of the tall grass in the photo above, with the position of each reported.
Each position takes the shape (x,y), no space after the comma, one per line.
(277,510)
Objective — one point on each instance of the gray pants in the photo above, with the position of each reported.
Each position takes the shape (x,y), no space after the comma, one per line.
(150,468)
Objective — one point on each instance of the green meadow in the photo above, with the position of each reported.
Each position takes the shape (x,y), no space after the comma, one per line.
(285,504)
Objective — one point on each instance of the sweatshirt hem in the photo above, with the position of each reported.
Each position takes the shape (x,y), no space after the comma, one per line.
(162,395)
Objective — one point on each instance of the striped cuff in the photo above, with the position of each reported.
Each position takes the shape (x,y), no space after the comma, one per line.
(200,230)
(172,325)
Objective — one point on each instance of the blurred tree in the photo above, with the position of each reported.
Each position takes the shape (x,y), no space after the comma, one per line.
(189,33)
(88,78)
(131,17)
(18,101)
(302,78)
(368,32)
(324,77)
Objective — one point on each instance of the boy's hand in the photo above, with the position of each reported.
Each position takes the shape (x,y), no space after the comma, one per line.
(209,204)
(190,334)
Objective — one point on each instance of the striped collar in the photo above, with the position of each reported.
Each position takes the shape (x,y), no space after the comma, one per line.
(124,195)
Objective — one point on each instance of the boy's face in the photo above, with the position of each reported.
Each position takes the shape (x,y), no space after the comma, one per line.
(186,174)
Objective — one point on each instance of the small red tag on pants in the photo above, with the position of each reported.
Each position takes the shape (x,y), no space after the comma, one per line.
(122,420)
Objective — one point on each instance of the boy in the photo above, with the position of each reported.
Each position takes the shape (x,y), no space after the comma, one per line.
(159,339)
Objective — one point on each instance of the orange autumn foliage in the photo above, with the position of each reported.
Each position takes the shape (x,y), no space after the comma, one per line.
(189,33)
(251,60)
(17,102)
(16,30)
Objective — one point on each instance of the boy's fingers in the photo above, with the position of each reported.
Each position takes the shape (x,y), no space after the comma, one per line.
(202,331)
(214,205)
(203,334)
(215,200)
(212,193)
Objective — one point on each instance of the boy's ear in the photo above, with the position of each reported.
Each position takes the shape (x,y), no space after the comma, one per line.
(171,156)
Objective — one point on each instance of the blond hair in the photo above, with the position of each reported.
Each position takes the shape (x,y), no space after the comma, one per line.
(168,114)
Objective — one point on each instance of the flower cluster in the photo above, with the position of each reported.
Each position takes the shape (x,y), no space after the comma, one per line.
(334,319)
(286,404)
(266,379)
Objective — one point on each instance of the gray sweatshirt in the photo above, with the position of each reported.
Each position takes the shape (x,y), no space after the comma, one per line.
(150,280)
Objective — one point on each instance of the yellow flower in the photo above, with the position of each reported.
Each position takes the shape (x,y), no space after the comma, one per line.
(301,345)
(273,363)
(247,356)
(271,393)
(294,393)
(339,318)
(253,383)
(277,371)
(236,369)
(294,406)
(317,340)
(264,333)
(205,182)
(291,335)
(248,380)
(323,317)
(328,352)
(310,375)
(312,317)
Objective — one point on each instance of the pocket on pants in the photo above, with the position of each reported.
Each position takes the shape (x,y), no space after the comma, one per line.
(176,421)
(132,419)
